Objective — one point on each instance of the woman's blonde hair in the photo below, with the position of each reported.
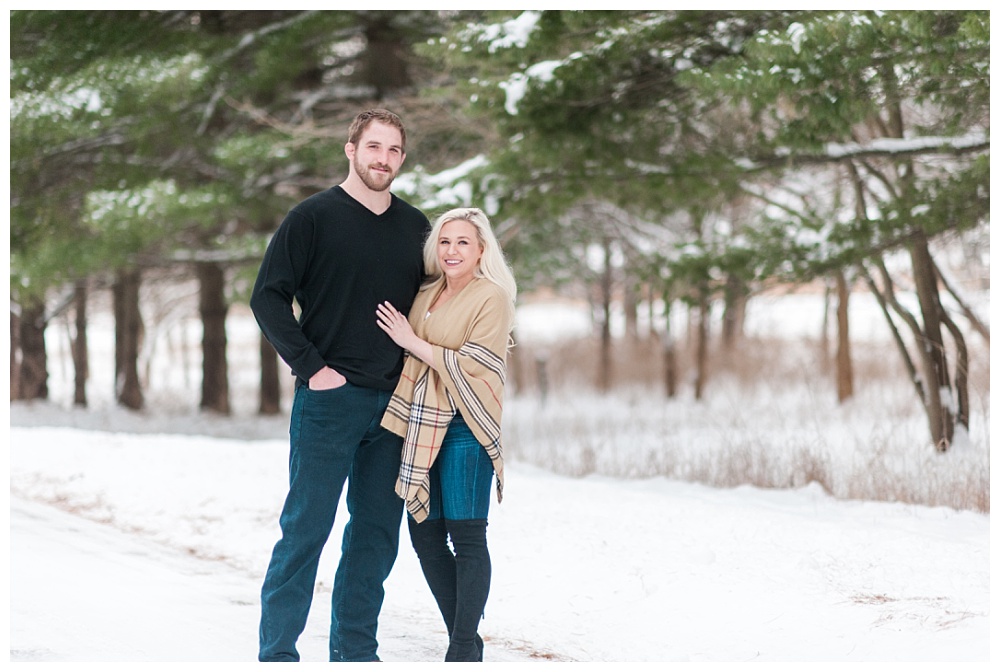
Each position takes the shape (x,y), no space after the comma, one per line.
(492,265)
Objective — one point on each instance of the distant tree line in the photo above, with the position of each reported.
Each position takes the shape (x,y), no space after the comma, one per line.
(699,156)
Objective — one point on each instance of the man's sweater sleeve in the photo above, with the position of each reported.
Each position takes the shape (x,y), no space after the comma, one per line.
(281,272)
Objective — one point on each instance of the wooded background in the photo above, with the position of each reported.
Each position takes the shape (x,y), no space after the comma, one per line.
(677,159)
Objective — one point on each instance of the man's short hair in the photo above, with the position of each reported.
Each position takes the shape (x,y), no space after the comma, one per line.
(364,120)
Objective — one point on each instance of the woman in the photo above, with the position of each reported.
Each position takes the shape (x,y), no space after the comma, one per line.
(447,408)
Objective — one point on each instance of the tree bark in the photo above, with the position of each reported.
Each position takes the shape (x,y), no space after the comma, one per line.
(631,309)
(845,369)
(213,308)
(701,344)
(970,314)
(385,58)
(270,385)
(81,363)
(34,364)
(128,332)
(604,363)
(940,412)
(961,370)
(734,313)
(884,298)
(15,350)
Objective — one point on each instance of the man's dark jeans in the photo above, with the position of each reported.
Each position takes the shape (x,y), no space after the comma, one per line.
(335,437)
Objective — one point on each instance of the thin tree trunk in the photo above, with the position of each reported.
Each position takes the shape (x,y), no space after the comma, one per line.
(845,371)
(669,365)
(824,336)
(81,363)
(631,311)
(128,331)
(270,385)
(701,344)
(883,303)
(15,352)
(970,315)
(215,367)
(34,364)
(961,370)
(604,365)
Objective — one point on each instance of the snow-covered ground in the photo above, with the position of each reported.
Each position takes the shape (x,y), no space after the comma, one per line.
(587,569)
(144,538)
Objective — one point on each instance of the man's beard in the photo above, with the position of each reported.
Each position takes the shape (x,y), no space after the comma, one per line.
(375,182)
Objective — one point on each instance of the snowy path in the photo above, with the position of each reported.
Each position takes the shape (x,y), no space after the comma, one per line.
(84,592)
(89,592)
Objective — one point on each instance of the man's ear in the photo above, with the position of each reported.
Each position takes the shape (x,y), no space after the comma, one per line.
(349,150)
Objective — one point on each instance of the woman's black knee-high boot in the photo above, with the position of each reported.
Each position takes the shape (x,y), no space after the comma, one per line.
(472,587)
(430,541)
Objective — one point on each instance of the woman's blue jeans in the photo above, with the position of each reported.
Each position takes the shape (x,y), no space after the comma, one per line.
(461,476)
(335,436)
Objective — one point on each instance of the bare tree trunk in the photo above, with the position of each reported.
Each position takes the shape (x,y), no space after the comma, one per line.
(670,375)
(970,315)
(961,370)
(670,365)
(81,362)
(845,370)
(941,414)
(15,350)
(734,313)
(213,308)
(604,365)
(701,344)
(631,311)
(33,383)
(270,385)
(824,336)
(385,58)
(883,298)
(937,391)
(128,332)
(920,381)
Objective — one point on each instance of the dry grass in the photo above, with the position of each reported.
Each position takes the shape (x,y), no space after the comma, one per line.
(769,418)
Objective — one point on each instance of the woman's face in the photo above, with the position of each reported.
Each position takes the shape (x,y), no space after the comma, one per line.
(458,251)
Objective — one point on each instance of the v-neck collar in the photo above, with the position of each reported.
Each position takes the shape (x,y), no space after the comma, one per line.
(392,201)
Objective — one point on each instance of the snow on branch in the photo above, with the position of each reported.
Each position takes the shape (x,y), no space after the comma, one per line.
(890,146)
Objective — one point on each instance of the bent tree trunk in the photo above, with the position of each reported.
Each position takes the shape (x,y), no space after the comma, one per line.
(128,331)
(213,308)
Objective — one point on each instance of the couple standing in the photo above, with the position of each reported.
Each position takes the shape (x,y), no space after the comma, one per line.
(421,430)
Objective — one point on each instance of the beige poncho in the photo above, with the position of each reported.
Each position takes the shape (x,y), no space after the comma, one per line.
(469,334)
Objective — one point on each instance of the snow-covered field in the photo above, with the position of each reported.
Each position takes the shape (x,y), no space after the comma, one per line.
(144,537)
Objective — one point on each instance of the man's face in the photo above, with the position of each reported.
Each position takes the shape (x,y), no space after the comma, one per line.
(377,156)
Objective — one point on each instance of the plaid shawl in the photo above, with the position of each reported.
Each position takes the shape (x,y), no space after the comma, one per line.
(470,335)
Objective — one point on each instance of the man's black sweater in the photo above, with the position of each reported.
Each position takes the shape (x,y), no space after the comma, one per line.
(338,260)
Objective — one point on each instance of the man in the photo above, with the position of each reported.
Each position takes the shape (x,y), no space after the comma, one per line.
(339,254)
